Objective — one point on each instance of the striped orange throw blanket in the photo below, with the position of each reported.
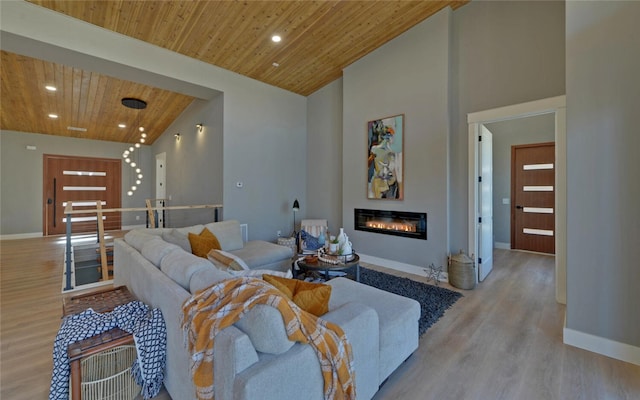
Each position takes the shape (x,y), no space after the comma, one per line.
(211,310)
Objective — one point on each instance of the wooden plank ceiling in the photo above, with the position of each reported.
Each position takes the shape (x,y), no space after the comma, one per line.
(319,39)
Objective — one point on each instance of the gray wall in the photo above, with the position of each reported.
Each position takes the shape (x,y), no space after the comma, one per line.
(503,53)
(500,53)
(603,188)
(21,172)
(324,155)
(536,129)
(408,75)
(194,167)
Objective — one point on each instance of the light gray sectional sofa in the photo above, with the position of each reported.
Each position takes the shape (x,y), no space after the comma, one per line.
(254,359)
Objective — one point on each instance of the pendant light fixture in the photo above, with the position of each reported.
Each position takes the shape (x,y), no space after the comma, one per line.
(128,154)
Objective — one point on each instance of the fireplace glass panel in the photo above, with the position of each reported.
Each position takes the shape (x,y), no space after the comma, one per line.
(397,223)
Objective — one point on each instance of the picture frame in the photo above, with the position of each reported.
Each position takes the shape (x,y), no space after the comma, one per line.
(385,161)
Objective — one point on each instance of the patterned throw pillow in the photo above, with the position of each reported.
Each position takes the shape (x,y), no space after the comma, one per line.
(203,243)
(226,261)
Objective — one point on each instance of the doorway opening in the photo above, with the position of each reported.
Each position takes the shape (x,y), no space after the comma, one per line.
(476,121)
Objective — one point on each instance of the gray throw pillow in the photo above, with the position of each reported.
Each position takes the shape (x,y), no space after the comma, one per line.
(265,327)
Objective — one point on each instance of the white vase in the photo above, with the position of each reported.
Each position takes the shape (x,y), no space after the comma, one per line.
(342,237)
(347,248)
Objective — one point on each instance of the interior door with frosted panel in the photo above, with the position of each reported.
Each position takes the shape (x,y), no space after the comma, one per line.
(83,181)
(485,204)
(161,189)
(533,194)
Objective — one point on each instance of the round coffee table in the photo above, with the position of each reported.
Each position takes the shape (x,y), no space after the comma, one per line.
(325,268)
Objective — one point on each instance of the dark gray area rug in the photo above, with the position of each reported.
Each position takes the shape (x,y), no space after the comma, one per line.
(434,301)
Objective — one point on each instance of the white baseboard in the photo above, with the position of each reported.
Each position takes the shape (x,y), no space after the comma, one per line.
(21,236)
(620,351)
(398,266)
(501,245)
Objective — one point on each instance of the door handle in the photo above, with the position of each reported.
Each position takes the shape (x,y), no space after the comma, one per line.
(54,202)
(519,207)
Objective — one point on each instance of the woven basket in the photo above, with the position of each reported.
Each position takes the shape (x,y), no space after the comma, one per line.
(107,375)
(462,271)
(289,242)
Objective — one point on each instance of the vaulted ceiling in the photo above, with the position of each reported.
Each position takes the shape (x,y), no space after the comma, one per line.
(319,39)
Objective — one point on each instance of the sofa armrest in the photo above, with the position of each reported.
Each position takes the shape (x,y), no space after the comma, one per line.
(360,323)
(233,352)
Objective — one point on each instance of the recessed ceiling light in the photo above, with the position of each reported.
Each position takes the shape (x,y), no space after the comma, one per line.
(122,126)
(53,116)
(276,38)
(51,88)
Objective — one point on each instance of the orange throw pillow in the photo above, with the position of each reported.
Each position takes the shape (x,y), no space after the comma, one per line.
(311,297)
(203,243)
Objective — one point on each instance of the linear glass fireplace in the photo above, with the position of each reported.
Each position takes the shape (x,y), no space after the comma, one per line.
(397,223)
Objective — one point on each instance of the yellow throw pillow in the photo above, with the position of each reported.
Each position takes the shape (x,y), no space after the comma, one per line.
(311,297)
(203,243)
(285,285)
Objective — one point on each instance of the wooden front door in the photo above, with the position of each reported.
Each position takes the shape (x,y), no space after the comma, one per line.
(83,181)
(533,197)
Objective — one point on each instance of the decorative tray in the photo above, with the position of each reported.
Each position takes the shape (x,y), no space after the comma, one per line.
(332,258)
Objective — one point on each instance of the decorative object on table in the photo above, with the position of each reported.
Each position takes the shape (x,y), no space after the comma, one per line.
(311,259)
(434,301)
(321,238)
(434,273)
(333,245)
(344,245)
(462,271)
(308,241)
(334,258)
(385,160)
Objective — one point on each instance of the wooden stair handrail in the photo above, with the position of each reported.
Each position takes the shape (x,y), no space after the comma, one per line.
(69,208)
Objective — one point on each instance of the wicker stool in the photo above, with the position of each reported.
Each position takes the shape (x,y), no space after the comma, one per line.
(102,356)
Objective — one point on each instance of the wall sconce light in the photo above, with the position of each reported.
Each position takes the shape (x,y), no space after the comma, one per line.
(177,136)
(199,126)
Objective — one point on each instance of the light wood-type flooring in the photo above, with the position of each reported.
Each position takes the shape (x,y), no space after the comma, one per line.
(502,340)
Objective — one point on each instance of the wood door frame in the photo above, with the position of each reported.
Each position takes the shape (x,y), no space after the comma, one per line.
(512,217)
(557,106)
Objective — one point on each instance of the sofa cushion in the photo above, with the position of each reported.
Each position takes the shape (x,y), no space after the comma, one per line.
(178,238)
(154,250)
(311,297)
(265,327)
(206,277)
(138,237)
(203,243)
(228,234)
(180,266)
(191,229)
(257,253)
